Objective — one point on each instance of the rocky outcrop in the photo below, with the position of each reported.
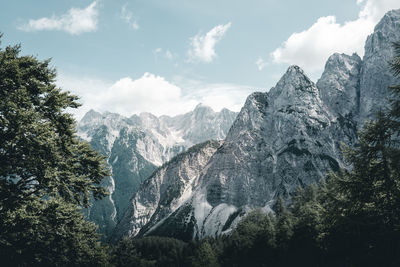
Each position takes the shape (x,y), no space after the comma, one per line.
(339,85)
(376,75)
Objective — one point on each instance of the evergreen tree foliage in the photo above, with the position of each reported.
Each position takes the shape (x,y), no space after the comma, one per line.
(39,151)
(205,256)
(46,172)
(305,243)
(50,233)
(151,251)
(252,242)
(284,224)
(363,205)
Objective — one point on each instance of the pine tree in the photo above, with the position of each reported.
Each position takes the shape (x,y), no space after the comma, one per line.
(205,256)
(307,229)
(284,224)
(363,205)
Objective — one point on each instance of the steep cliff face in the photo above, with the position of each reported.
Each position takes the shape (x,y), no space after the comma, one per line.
(280,140)
(375,71)
(339,85)
(136,146)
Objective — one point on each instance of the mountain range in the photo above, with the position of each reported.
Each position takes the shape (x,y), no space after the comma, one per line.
(287,137)
(136,146)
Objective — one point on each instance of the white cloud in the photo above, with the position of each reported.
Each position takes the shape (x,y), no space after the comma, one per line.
(261,63)
(215,95)
(168,54)
(127,15)
(151,93)
(157,50)
(311,48)
(203,45)
(75,21)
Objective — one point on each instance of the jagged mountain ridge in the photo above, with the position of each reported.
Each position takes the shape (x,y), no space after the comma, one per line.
(287,137)
(136,146)
(167,188)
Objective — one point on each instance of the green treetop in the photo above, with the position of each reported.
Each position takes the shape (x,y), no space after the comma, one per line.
(39,151)
(46,172)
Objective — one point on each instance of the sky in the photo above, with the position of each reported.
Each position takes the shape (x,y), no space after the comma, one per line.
(165,57)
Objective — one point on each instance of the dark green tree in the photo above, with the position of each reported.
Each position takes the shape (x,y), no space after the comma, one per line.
(150,251)
(205,256)
(363,205)
(40,153)
(50,233)
(284,224)
(46,172)
(308,227)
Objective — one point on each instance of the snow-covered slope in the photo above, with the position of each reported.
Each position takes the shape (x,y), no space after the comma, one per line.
(288,137)
(136,146)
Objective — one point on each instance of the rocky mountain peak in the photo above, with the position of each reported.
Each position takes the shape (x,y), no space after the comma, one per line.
(90,116)
(251,115)
(296,77)
(294,86)
(296,95)
(148,120)
(375,71)
(202,110)
(339,62)
(339,85)
(201,106)
(389,21)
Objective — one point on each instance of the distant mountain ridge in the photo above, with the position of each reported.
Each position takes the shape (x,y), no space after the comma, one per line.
(137,145)
(288,137)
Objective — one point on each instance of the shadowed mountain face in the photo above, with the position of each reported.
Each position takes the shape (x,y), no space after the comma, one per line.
(288,137)
(136,146)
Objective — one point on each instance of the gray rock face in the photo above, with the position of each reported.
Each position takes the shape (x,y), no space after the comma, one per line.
(339,85)
(280,140)
(288,137)
(136,146)
(201,124)
(116,138)
(375,72)
(166,190)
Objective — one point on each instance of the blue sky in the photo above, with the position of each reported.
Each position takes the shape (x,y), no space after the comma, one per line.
(167,56)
